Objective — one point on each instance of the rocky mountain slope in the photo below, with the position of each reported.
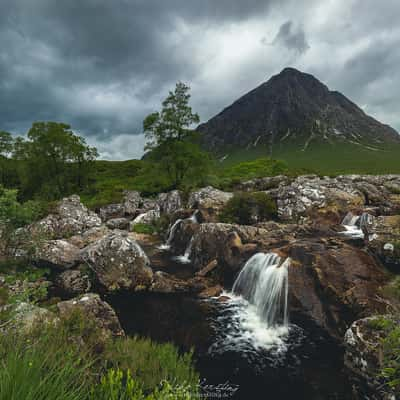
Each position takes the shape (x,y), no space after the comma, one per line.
(293,108)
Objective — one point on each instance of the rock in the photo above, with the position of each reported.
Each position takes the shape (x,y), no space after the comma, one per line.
(170,202)
(92,307)
(74,282)
(213,291)
(118,223)
(148,217)
(208,268)
(363,360)
(111,211)
(308,193)
(89,236)
(333,283)
(263,184)
(70,218)
(384,239)
(118,262)
(166,283)
(58,254)
(209,200)
(131,202)
(27,316)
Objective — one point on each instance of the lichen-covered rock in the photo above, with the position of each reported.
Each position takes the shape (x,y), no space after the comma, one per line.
(92,307)
(73,282)
(263,184)
(131,202)
(363,360)
(170,202)
(118,223)
(111,211)
(384,239)
(59,254)
(118,262)
(89,236)
(209,200)
(70,217)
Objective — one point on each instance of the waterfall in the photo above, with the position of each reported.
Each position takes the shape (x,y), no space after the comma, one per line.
(351,224)
(171,235)
(354,225)
(185,259)
(263,282)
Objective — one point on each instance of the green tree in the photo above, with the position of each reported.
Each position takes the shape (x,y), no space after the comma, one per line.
(173,149)
(53,161)
(173,122)
(6,147)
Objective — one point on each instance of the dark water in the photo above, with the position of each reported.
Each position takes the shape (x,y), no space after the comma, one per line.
(306,365)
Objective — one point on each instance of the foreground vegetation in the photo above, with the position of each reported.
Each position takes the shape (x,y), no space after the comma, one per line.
(68,360)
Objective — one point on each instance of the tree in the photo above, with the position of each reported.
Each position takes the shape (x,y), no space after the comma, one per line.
(174,120)
(6,147)
(53,161)
(172,144)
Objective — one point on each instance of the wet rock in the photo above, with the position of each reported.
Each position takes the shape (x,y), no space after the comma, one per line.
(58,254)
(111,211)
(73,282)
(208,268)
(131,202)
(118,262)
(118,223)
(333,283)
(166,283)
(92,307)
(170,202)
(363,360)
(69,218)
(213,291)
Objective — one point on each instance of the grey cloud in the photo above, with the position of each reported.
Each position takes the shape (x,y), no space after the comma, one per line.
(292,37)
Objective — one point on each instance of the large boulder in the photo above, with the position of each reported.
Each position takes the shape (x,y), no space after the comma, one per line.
(263,184)
(59,254)
(118,262)
(89,236)
(73,282)
(92,307)
(69,218)
(307,193)
(170,202)
(363,359)
(209,201)
(333,283)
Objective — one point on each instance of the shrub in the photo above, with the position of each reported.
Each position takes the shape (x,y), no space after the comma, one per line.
(144,228)
(249,208)
(152,363)
(391,358)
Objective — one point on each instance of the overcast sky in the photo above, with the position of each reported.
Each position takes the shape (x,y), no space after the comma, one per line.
(102,65)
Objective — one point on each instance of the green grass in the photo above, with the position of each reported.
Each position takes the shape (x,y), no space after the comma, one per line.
(326,159)
(144,228)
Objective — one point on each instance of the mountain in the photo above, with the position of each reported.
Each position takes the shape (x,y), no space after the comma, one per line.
(294,108)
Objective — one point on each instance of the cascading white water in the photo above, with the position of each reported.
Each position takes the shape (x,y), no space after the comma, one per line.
(185,259)
(171,234)
(263,282)
(351,224)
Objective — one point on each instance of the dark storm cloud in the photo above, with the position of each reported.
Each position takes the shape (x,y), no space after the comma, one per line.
(292,37)
(50,50)
(102,65)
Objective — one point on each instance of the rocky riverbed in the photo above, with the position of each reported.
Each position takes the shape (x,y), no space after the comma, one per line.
(176,286)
